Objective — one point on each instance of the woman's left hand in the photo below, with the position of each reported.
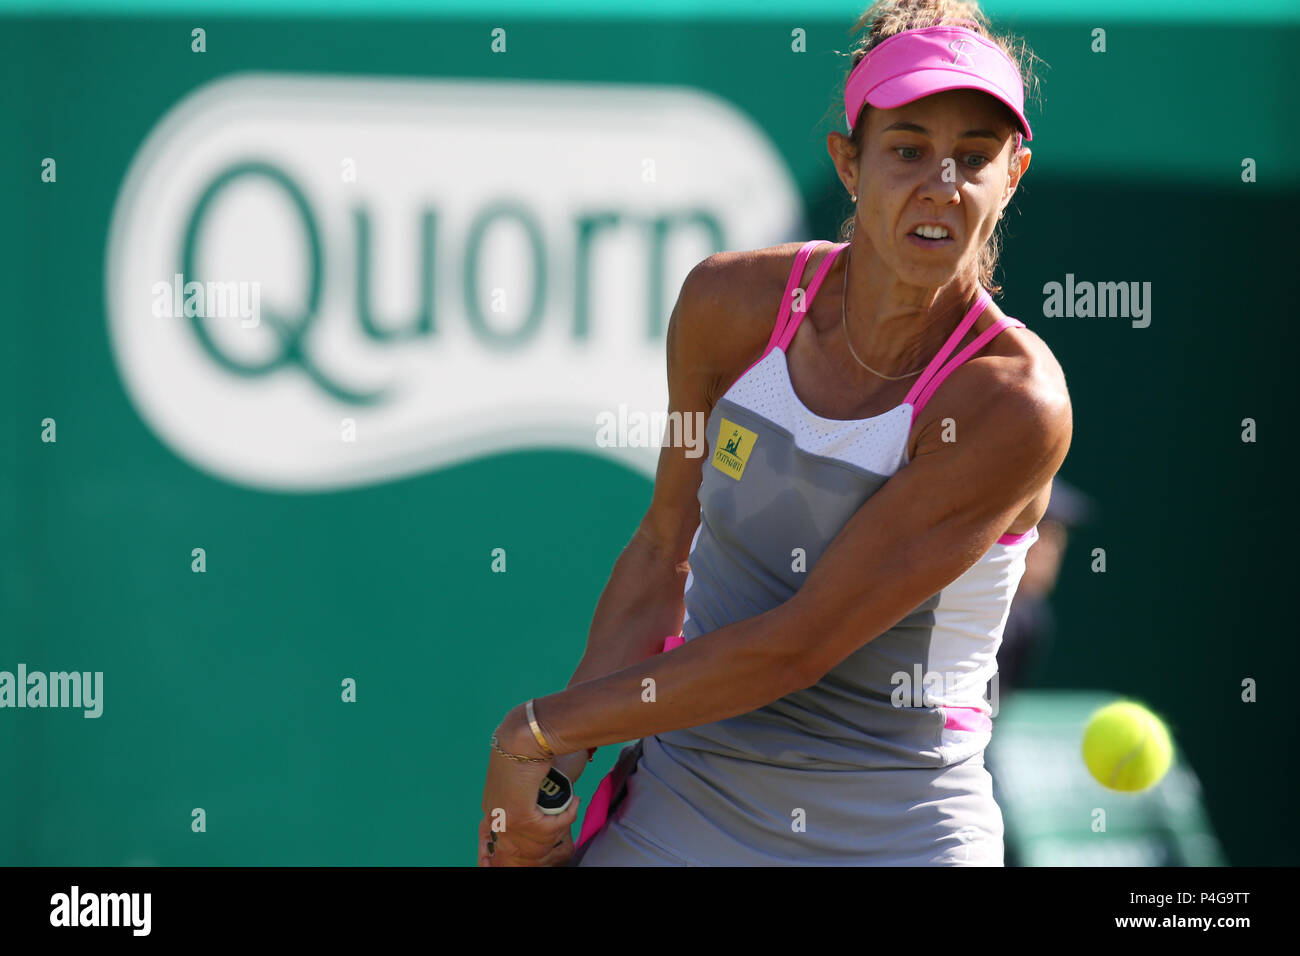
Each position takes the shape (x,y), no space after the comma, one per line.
(513,831)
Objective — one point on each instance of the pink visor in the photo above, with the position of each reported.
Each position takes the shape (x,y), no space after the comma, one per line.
(917,63)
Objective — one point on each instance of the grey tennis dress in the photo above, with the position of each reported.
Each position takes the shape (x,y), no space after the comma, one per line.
(880,763)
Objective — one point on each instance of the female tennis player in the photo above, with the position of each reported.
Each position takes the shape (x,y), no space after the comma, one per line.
(841,563)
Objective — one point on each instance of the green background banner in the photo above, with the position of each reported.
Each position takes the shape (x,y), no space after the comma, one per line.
(222,689)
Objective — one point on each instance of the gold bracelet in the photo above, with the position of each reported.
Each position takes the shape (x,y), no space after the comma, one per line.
(537,731)
(505,753)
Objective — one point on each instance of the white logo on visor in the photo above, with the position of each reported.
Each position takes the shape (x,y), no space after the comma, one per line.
(958,47)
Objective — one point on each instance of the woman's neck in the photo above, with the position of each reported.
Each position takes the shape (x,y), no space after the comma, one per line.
(893,326)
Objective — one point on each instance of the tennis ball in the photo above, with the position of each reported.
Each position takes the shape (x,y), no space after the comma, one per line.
(1126,747)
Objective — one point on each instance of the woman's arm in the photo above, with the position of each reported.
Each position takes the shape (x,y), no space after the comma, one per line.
(640,605)
(711,338)
(708,339)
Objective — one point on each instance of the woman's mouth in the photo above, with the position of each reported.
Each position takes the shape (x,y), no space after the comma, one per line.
(929,236)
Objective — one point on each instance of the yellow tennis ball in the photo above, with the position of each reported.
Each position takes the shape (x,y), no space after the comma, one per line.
(1126,747)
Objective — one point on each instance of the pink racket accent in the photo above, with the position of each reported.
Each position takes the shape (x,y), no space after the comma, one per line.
(598,808)
(597,811)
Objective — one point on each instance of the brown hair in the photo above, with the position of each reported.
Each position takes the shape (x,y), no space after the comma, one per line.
(888,17)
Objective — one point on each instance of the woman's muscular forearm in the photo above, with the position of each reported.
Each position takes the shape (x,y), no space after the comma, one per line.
(640,606)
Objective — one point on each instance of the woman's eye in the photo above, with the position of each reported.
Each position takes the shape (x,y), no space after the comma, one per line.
(975,161)
(907,152)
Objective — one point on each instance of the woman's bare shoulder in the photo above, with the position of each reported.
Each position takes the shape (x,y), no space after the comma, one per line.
(1027,358)
(727,309)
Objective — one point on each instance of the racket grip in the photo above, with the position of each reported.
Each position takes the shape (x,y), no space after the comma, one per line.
(555,793)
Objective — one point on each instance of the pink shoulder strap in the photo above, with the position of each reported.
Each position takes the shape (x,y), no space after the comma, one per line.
(981,303)
(980,341)
(792,326)
(787,300)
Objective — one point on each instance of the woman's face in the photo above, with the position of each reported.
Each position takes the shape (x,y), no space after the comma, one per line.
(946,161)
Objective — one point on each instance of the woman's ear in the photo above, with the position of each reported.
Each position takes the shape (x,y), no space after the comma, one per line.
(1019,163)
(841,150)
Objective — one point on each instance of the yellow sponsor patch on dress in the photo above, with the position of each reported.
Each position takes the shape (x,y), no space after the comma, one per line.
(734,445)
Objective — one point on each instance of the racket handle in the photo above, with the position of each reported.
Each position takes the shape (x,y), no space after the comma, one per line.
(555,793)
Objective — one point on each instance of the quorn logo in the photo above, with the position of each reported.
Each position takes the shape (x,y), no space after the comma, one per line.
(451,268)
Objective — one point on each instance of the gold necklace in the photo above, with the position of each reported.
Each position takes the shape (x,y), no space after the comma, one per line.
(844,320)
